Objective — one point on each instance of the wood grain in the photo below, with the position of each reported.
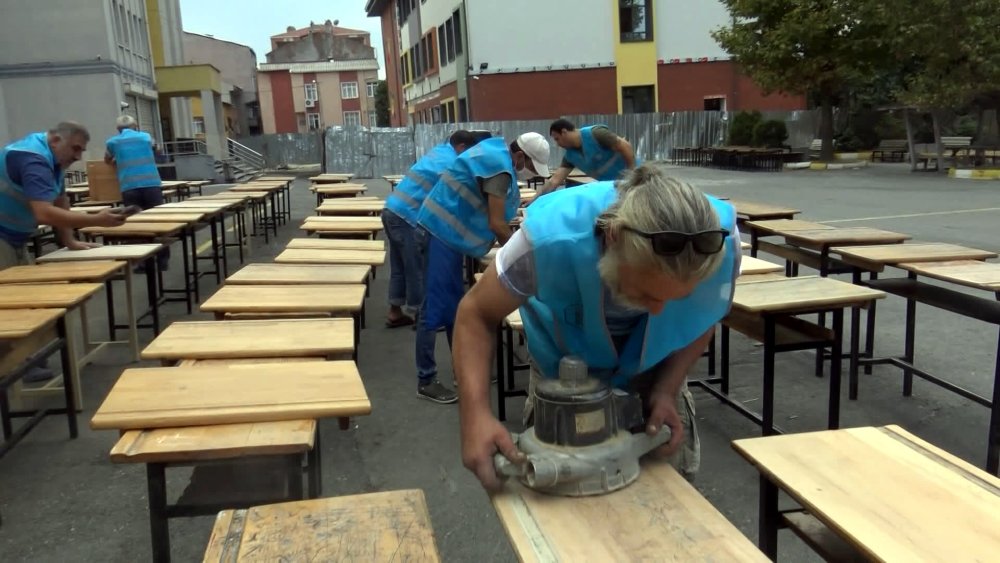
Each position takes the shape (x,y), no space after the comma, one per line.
(332,256)
(888,493)
(752,211)
(111,252)
(875,258)
(136,229)
(317,298)
(243,339)
(221,441)
(264,274)
(95,271)
(801,293)
(751,266)
(348,206)
(46,295)
(144,217)
(818,239)
(345,190)
(144,398)
(19,323)
(336,243)
(780,226)
(659,517)
(970,273)
(386,526)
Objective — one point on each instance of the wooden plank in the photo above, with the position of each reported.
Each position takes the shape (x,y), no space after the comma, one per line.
(144,398)
(264,274)
(386,526)
(820,238)
(333,256)
(970,273)
(801,293)
(891,495)
(779,226)
(242,339)
(102,180)
(659,516)
(232,362)
(750,266)
(191,217)
(46,295)
(875,258)
(96,271)
(111,252)
(348,206)
(20,323)
(136,229)
(221,441)
(331,244)
(328,298)
(754,211)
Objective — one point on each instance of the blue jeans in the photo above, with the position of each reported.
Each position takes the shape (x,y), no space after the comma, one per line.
(147,198)
(406,263)
(445,288)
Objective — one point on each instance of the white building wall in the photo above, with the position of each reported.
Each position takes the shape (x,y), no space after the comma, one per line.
(683,29)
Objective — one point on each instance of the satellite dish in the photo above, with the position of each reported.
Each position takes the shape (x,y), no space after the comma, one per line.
(336,22)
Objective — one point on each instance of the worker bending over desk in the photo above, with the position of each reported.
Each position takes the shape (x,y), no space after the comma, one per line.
(630,276)
(595,150)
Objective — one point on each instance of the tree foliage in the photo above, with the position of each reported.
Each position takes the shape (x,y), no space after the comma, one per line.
(382,114)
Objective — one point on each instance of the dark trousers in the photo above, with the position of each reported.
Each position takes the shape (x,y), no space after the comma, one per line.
(147,198)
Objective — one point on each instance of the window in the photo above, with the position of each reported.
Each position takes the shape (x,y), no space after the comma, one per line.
(311,92)
(348,90)
(313,120)
(404,67)
(463,111)
(457,16)
(638,99)
(373,118)
(635,20)
(352,118)
(451,112)
(449,27)
(715,103)
(198,125)
(371,87)
(418,61)
(436,114)
(442,45)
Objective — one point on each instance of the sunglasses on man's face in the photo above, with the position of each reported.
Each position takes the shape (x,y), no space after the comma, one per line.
(671,243)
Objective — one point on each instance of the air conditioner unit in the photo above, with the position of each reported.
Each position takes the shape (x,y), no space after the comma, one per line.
(310,103)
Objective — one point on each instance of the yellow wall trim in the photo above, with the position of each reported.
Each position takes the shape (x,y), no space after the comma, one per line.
(635,61)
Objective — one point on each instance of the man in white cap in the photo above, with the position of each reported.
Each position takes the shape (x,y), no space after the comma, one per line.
(469,209)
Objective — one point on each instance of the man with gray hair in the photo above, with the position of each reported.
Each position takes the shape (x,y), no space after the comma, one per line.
(629,276)
(131,151)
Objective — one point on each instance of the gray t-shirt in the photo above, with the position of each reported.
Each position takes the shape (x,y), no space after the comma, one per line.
(496,185)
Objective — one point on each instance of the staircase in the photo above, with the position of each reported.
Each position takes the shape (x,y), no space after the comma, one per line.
(243,164)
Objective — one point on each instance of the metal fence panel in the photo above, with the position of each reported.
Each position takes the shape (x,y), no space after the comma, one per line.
(287,148)
(369,152)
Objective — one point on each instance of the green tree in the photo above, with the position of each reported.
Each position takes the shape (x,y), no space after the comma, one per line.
(820,48)
(382,114)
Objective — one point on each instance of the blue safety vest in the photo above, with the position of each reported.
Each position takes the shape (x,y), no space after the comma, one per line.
(594,160)
(566,316)
(15,210)
(409,195)
(456,209)
(133,154)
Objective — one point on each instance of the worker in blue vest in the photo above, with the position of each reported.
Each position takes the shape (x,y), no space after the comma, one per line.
(469,209)
(595,150)
(406,275)
(131,151)
(631,276)
(32,192)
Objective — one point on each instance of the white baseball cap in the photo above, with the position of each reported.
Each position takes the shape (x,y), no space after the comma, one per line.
(537,148)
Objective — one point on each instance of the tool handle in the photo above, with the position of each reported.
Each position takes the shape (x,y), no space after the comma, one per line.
(505,468)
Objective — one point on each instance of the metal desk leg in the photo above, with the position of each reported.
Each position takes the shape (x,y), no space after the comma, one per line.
(870,333)
(69,374)
(836,352)
(154,303)
(767,519)
(315,468)
(295,476)
(993,441)
(223,247)
(911,329)
(187,270)
(852,392)
(767,420)
(109,296)
(215,250)
(133,322)
(159,529)
(724,360)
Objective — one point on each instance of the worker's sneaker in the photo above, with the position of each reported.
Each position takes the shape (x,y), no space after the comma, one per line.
(436,392)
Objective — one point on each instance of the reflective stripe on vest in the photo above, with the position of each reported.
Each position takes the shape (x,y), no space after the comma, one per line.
(420,179)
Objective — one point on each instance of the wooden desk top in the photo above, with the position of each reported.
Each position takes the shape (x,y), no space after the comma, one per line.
(331,256)
(801,293)
(342,298)
(887,492)
(386,526)
(19,323)
(336,243)
(876,258)
(294,274)
(145,398)
(197,183)
(351,189)
(136,228)
(215,204)
(46,295)
(243,339)
(222,196)
(330,178)
(112,252)
(970,273)
(751,210)
(350,205)
(328,227)
(751,266)
(658,517)
(78,188)
(822,238)
(220,441)
(355,222)
(89,208)
(181,217)
(95,271)
(268,187)
(173,183)
(778,226)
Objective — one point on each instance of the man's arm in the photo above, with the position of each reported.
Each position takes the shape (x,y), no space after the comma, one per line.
(497,220)
(624,148)
(663,398)
(108,159)
(558,178)
(63,234)
(58,218)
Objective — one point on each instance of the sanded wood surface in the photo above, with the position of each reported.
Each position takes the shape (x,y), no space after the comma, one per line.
(266,273)
(136,228)
(19,323)
(46,295)
(224,196)
(386,526)
(366,225)
(232,362)
(145,398)
(752,211)
(876,258)
(89,209)
(778,226)
(273,187)
(332,256)
(330,178)
(888,493)
(206,209)
(755,278)
(660,517)
(220,441)
(751,266)
(173,183)
(336,243)
(95,271)
(203,204)
(111,252)
(970,273)
(820,238)
(184,217)
(348,206)
(327,298)
(801,293)
(252,339)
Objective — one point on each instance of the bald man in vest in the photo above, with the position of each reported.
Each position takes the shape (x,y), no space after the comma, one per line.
(596,150)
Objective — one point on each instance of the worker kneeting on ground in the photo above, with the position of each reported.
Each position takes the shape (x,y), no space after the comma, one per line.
(32,192)
(131,151)
(631,277)
(406,252)
(597,151)
(468,210)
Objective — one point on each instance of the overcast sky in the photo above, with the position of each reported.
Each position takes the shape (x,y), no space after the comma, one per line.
(253,22)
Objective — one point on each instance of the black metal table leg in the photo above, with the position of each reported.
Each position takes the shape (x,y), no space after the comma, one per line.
(908,348)
(67,362)
(724,361)
(110,302)
(852,392)
(767,419)
(835,368)
(870,330)
(159,529)
(187,270)
(154,301)
(767,519)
